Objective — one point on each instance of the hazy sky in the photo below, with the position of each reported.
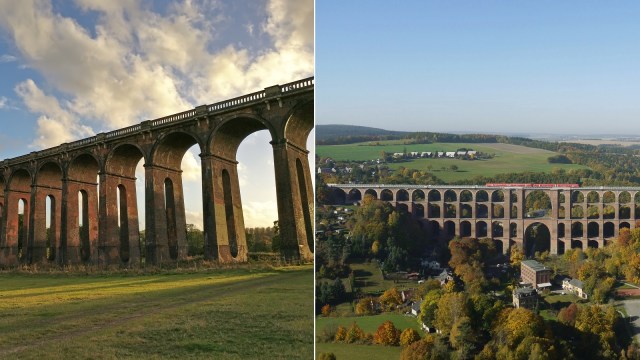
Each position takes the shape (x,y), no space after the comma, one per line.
(485,66)
(71,69)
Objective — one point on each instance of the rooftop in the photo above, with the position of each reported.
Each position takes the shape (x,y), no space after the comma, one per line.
(534,265)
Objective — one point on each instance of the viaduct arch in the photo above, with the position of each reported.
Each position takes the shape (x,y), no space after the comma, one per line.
(576,216)
(87,187)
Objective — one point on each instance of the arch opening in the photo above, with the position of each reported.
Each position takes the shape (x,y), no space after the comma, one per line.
(417,195)
(51,228)
(170,216)
(402,195)
(537,239)
(537,204)
(481,229)
(123,223)
(465,229)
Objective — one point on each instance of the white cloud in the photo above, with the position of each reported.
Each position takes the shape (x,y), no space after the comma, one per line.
(3,102)
(5,58)
(259,214)
(56,125)
(191,167)
(142,65)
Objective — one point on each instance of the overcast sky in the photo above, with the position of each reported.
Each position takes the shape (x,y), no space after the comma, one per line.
(71,69)
(485,66)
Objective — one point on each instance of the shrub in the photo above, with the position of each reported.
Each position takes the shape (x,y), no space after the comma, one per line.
(354,334)
(409,336)
(387,334)
(341,334)
(326,356)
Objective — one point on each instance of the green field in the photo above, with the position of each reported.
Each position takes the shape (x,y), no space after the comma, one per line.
(356,352)
(231,314)
(370,323)
(508,158)
(369,278)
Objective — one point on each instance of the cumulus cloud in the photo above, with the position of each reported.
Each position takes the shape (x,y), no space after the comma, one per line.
(138,64)
(5,58)
(3,102)
(259,213)
(191,167)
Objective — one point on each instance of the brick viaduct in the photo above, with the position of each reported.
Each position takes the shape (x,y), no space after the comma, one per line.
(579,217)
(92,181)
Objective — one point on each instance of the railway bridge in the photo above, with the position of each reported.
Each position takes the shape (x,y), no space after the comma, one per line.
(76,202)
(510,213)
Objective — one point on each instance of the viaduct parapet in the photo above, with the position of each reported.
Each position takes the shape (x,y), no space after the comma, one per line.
(578,216)
(92,182)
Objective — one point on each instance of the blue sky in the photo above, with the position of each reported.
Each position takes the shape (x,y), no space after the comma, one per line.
(71,69)
(483,66)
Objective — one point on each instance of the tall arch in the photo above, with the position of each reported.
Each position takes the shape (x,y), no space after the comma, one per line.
(79,230)
(44,231)
(166,216)
(297,127)
(537,238)
(17,216)
(117,180)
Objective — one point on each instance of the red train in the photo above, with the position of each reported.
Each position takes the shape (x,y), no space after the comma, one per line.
(533,185)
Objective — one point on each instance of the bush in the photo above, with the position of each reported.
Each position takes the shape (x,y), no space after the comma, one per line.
(409,336)
(328,333)
(326,356)
(341,334)
(366,306)
(354,334)
(387,334)
(326,310)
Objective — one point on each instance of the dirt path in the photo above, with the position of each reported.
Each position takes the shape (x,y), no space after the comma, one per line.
(199,294)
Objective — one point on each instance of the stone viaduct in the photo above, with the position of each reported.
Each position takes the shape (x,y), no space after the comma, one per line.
(577,216)
(92,182)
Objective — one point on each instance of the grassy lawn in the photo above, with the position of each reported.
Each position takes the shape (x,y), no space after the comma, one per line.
(369,278)
(370,323)
(508,158)
(231,314)
(356,352)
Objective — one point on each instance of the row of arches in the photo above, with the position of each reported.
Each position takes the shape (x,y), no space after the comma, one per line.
(576,196)
(85,207)
(536,204)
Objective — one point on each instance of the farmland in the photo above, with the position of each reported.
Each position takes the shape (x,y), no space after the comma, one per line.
(506,158)
(239,313)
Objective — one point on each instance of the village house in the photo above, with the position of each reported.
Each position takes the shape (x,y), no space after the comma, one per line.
(536,274)
(574,286)
(525,297)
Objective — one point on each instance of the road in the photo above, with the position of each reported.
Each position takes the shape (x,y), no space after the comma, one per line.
(632,306)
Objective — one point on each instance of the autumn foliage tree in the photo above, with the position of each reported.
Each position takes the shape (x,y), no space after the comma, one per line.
(387,334)
(567,315)
(390,299)
(366,306)
(354,334)
(341,334)
(409,336)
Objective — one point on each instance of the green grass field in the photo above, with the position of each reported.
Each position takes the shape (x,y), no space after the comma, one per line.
(370,323)
(508,158)
(369,278)
(231,314)
(357,352)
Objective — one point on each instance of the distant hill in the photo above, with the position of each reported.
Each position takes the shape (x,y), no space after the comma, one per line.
(353,133)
